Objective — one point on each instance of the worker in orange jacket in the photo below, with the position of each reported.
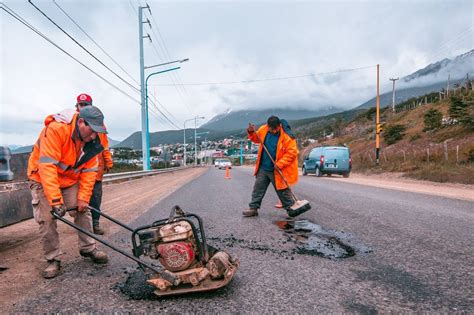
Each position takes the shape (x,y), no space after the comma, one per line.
(105,164)
(62,170)
(284,150)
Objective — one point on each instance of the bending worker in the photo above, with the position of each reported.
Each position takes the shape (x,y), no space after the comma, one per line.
(284,152)
(105,164)
(62,169)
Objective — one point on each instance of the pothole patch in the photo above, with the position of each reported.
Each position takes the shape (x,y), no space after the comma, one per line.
(312,239)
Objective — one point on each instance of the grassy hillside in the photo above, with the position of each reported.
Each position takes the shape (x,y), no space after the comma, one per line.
(444,154)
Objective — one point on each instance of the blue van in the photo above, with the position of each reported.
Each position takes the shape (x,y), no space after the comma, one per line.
(328,160)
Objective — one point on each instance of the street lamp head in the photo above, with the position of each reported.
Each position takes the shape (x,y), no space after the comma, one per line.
(184,60)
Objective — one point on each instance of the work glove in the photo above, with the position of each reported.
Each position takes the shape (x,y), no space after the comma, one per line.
(251,128)
(82,206)
(60,210)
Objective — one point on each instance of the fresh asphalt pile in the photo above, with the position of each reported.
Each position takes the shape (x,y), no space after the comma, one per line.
(136,287)
(303,237)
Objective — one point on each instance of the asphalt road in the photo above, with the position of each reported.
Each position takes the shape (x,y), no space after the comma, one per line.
(413,252)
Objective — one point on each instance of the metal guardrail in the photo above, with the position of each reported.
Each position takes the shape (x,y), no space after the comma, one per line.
(110,178)
(15,197)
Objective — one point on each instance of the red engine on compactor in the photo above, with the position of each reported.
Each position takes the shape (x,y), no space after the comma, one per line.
(179,243)
(190,263)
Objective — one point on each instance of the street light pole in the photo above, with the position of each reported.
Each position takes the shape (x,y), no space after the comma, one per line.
(143,88)
(167,63)
(146,144)
(184,140)
(144,114)
(195,142)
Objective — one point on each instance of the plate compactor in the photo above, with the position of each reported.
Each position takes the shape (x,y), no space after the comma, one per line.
(178,243)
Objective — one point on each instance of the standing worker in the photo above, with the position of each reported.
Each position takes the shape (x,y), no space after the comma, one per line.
(105,164)
(62,170)
(284,152)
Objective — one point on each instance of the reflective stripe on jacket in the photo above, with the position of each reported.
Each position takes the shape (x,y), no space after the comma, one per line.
(286,156)
(60,159)
(105,158)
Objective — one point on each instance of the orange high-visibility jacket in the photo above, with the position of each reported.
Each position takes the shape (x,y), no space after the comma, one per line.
(105,158)
(286,156)
(60,159)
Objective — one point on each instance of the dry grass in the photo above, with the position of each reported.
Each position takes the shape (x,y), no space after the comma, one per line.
(419,154)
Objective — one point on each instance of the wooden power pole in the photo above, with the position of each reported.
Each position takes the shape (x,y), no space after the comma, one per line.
(377,121)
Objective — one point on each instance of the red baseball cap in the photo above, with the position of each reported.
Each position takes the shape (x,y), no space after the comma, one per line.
(84,99)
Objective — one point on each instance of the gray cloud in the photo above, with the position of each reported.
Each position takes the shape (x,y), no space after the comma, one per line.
(225,41)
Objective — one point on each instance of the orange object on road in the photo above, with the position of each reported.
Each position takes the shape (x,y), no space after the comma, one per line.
(227,173)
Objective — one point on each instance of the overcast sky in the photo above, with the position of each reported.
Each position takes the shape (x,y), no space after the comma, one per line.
(226,41)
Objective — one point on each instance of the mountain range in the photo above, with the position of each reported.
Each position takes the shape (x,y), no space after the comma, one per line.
(233,123)
(240,119)
(431,78)
(16,149)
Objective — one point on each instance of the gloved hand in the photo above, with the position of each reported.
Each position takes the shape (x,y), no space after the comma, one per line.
(59,210)
(251,128)
(82,205)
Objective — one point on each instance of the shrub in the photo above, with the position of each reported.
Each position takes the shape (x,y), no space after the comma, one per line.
(370,113)
(394,133)
(470,156)
(415,137)
(457,107)
(432,119)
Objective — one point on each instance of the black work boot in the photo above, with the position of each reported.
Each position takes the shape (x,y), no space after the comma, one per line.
(250,212)
(97,256)
(52,270)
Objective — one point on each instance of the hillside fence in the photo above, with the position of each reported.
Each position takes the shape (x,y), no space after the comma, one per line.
(435,153)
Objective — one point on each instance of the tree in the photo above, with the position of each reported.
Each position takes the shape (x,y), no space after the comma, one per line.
(394,133)
(457,108)
(432,119)
(462,111)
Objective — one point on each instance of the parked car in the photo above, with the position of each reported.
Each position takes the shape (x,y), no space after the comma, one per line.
(223,163)
(328,160)
(216,162)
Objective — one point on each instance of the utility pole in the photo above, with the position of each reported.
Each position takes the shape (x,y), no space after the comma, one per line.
(447,89)
(377,121)
(145,127)
(393,93)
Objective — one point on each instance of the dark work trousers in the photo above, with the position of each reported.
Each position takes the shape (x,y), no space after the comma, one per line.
(95,202)
(262,180)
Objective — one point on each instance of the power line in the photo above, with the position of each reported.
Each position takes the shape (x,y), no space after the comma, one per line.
(160,58)
(175,77)
(79,44)
(24,22)
(271,79)
(164,108)
(170,122)
(131,4)
(449,44)
(97,44)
